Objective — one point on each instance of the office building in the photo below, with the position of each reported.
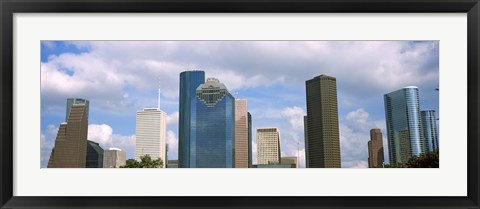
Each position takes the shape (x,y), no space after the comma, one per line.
(114,158)
(172,164)
(404,130)
(375,149)
(292,161)
(71,101)
(322,133)
(94,155)
(268,146)
(429,125)
(211,136)
(249,140)
(151,134)
(189,81)
(241,134)
(70,149)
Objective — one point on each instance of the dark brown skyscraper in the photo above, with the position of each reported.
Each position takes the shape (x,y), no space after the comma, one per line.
(70,149)
(375,149)
(322,141)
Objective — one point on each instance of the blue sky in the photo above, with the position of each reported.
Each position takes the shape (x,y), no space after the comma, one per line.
(122,77)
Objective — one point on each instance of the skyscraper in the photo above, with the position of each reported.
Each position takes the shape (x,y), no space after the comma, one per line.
(94,155)
(322,137)
(375,149)
(151,134)
(402,114)
(268,146)
(429,125)
(71,101)
(241,134)
(212,132)
(249,140)
(114,158)
(70,149)
(189,81)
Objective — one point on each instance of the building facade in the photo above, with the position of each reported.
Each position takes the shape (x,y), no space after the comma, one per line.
(94,155)
(241,134)
(189,81)
(322,133)
(213,144)
(151,134)
(404,129)
(114,158)
(375,149)
(292,161)
(70,149)
(249,140)
(429,125)
(268,146)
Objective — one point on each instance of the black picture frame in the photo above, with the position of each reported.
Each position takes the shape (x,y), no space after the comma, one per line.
(10,7)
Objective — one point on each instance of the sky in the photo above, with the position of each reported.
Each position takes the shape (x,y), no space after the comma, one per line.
(120,78)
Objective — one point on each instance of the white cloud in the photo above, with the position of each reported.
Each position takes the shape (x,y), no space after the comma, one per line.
(103,134)
(294,115)
(172,119)
(47,142)
(172,141)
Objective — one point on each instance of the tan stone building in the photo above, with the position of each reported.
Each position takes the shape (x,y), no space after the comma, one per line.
(375,149)
(114,158)
(292,161)
(268,146)
(241,133)
(322,140)
(70,150)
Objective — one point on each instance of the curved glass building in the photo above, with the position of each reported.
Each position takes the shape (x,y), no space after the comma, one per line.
(429,124)
(404,129)
(189,81)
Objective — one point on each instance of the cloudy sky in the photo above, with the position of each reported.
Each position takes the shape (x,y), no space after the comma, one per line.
(122,77)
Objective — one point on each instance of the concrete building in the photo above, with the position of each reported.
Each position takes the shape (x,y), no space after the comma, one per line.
(268,146)
(241,134)
(375,149)
(172,164)
(151,134)
(404,129)
(94,155)
(322,136)
(114,158)
(429,125)
(292,161)
(70,149)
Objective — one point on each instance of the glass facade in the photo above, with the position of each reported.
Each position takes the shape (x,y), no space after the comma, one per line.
(189,81)
(249,140)
(94,155)
(212,141)
(402,113)
(429,125)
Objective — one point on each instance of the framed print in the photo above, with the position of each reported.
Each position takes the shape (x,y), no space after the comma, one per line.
(263,104)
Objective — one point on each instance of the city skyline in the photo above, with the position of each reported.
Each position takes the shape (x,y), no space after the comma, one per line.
(358,110)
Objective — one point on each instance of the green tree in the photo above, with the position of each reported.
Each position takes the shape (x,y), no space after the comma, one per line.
(145,162)
(427,160)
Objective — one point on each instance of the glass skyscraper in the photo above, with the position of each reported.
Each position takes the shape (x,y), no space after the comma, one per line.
(429,125)
(213,127)
(189,81)
(404,129)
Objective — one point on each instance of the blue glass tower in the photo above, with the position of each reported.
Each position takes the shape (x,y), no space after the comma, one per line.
(213,127)
(189,81)
(429,125)
(402,114)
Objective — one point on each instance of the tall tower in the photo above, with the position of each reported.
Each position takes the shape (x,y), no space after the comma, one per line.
(241,134)
(268,146)
(212,142)
(375,149)
(322,138)
(189,81)
(70,150)
(402,114)
(249,140)
(151,134)
(429,125)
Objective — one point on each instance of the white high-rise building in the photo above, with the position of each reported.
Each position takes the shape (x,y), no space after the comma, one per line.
(268,145)
(151,131)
